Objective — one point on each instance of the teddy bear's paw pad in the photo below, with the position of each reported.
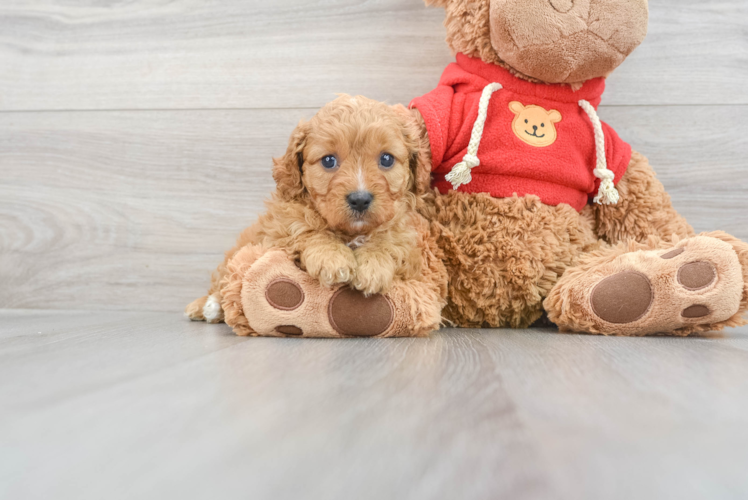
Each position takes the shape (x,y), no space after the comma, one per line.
(695,312)
(622,298)
(284,294)
(673,253)
(353,314)
(697,275)
(698,283)
(291,330)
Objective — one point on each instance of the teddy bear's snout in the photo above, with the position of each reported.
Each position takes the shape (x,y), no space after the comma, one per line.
(566,41)
(562,6)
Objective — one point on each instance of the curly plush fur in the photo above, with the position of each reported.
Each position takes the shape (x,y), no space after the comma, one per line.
(310,219)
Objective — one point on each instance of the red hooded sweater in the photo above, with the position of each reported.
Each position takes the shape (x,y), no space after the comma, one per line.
(536,140)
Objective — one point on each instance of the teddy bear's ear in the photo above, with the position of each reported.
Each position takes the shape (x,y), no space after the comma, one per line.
(289,168)
(554,116)
(516,107)
(416,140)
(436,3)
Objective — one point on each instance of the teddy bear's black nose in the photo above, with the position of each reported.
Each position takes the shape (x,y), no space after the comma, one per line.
(360,201)
(535,128)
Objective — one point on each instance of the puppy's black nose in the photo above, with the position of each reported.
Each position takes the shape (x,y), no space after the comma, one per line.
(360,201)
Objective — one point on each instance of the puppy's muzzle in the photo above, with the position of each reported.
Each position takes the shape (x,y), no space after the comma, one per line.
(360,201)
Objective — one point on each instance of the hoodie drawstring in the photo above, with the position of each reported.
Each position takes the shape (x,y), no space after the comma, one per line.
(460,174)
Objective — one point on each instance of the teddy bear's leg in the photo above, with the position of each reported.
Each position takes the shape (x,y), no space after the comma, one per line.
(504,256)
(266,294)
(697,284)
(230,287)
(644,210)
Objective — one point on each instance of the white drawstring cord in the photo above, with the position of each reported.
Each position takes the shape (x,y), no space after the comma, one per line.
(460,173)
(607,194)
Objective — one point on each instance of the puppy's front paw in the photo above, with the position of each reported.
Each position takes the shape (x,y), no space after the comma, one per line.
(330,267)
(212,310)
(194,311)
(375,273)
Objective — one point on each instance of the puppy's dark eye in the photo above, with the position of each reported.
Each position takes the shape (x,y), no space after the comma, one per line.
(386,160)
(329,162)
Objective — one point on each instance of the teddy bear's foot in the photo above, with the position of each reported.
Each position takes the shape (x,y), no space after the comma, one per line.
(696,286)
(278,299)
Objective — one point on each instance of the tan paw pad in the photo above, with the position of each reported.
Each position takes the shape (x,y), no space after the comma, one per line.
(645,292)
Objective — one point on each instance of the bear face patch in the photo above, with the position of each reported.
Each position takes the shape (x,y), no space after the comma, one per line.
(534,125)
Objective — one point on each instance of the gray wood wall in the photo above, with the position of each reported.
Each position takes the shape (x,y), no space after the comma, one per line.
(136,137)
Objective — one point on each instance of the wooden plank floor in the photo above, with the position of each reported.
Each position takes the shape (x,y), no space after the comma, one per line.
(149,405)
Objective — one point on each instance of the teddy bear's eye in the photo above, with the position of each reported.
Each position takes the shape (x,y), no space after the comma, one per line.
(542,124)
(386,160)
(329,162)
(525,121)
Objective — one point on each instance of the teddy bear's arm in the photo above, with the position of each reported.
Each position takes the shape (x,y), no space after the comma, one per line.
(645,208)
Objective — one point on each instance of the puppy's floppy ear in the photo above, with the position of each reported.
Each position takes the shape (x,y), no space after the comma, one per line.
(417,141)
(288,169)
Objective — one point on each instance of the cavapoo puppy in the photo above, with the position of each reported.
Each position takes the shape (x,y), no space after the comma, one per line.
(341,250)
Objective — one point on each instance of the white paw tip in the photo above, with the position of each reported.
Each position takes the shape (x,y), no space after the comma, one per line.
(212,310)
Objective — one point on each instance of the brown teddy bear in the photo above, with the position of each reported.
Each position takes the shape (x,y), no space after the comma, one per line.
(543,207)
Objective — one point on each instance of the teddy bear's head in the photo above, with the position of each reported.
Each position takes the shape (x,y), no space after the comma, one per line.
(553,41)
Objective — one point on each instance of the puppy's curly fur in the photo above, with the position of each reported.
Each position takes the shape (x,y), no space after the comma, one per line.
(310,218)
